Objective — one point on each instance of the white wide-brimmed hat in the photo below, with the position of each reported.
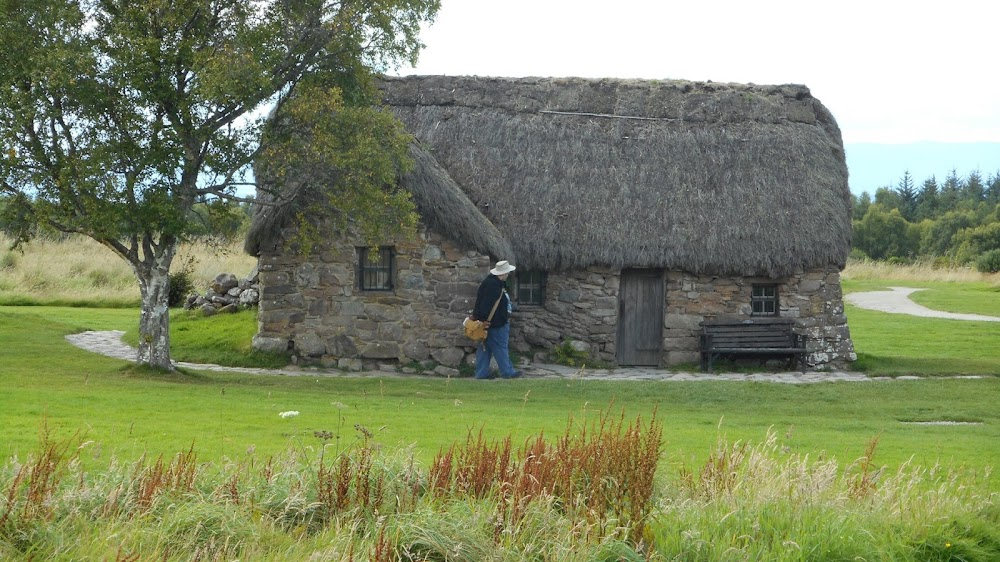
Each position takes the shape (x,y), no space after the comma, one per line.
(502,267)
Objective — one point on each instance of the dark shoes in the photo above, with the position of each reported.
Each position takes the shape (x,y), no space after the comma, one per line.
(514,375)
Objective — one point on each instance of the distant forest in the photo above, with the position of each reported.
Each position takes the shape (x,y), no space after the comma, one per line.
(952,223)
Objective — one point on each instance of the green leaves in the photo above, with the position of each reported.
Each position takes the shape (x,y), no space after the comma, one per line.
(345,160)
(126,113)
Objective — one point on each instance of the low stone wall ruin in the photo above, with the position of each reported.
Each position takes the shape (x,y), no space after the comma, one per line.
(227,293)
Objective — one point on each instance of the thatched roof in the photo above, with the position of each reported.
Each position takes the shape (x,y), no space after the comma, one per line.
(703,177)
(441,203)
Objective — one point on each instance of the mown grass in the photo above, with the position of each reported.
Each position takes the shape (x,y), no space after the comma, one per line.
(223,339)
(899,344)
(968,298)
(131,411)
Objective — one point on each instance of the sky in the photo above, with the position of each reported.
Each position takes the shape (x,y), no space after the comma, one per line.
(890,71)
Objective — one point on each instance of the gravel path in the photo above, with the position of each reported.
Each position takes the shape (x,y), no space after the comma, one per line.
(897,301)
(110,343)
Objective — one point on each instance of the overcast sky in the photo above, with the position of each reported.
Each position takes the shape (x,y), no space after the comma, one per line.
(890,71)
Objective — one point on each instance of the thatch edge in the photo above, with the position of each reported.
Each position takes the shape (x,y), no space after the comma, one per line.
(440,202)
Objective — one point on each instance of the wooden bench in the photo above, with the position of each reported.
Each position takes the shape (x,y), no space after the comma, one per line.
(751,336)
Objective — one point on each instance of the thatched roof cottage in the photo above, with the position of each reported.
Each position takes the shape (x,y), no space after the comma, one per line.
(633,209)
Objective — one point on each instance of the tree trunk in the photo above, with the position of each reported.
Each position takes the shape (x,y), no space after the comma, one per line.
(154,320)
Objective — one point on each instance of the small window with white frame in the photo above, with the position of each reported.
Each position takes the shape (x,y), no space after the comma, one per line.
(375,269)
(764,300)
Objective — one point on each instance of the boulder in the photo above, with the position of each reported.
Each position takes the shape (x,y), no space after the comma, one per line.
(270,345)
(223,282)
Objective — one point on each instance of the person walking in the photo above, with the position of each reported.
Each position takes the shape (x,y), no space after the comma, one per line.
(492,293)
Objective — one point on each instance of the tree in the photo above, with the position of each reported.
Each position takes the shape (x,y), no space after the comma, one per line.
(885,234)
(993,189)
(117,117)
(859,205)
(939,239)
(927,202)
(974,188)
(950,191)
(888,198)
(907,192)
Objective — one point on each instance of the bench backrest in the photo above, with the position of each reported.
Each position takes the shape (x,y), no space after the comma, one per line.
(750,334)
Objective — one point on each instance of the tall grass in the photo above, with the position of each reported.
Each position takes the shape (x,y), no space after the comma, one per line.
(317,503)
(78,271)
(870,270)
(604,477)
(747,501)
(763,502)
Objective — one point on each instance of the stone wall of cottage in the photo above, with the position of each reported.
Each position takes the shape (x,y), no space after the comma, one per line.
(582,308)
(812,297)
(311,307)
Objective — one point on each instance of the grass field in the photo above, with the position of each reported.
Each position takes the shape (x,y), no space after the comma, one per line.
(885,469)
(131,411)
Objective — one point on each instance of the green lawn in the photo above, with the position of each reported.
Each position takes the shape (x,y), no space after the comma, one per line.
(965,297)
(968,298)
(897,344)
(127,411)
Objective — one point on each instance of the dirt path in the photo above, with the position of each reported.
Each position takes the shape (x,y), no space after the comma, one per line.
(897,301)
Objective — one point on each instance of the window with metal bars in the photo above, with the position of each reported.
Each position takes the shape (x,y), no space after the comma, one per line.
(529,287)
(375,269)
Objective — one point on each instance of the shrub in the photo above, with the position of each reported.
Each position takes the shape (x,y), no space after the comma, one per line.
(857,255)
(989,262)
(181,284)
(566,354)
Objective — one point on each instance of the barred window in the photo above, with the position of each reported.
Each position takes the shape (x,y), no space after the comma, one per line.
(764,300)
(375,270)
(529,287)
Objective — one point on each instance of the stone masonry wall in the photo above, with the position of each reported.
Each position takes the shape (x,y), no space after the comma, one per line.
(579,306)
(813,298)
(582,307)
(311,306)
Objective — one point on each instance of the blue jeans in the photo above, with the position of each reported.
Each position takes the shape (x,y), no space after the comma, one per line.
(495,346)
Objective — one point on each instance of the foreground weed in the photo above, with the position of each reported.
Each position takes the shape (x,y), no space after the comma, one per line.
(603,476)
(28,497)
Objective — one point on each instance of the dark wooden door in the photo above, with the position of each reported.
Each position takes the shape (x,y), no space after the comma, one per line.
(640,318)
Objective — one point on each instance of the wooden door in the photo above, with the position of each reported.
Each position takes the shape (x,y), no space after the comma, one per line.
(640,317)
